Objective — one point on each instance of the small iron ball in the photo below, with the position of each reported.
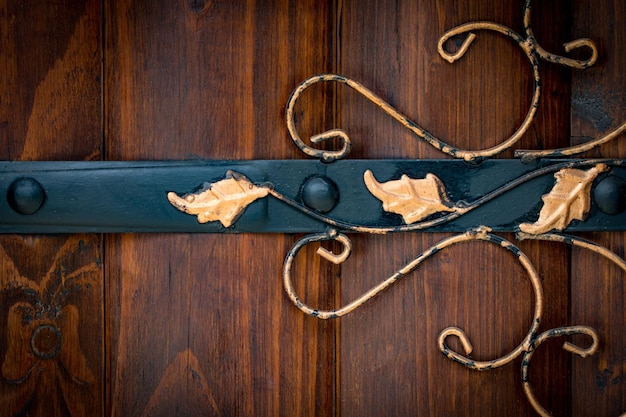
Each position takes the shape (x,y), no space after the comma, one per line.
(25,195)
(320,193)
(610,195)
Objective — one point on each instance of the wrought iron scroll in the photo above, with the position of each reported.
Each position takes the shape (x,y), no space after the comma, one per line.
(422,203)
(551,196)
(533,52)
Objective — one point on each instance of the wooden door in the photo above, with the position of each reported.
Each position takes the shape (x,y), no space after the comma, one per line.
(184,324)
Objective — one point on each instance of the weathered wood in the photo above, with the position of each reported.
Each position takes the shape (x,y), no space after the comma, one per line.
(390,364)
(598,290)
(51,292)
(199,324)
(204,317)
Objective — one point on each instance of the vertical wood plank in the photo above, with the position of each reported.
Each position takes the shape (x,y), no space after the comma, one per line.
(390,364)
(51,292)
(199,324)
(598,289)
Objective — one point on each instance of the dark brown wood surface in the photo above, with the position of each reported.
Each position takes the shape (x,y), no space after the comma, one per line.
(598,290)
(390,361)
(177,324)
(199,324)
(51,287)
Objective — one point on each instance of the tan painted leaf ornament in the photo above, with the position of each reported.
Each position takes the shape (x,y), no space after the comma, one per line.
(223,200)
(413,199)
(569,199)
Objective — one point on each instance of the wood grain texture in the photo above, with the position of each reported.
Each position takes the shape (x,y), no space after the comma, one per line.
(199,324)
(598,287)
(51,293)
(390,364)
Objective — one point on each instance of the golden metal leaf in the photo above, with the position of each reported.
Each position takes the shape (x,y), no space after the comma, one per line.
(413,199)
(223,200)
(569,199)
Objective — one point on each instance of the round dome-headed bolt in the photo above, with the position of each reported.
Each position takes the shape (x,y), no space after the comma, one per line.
(320,194)
(610,195)
(25,195)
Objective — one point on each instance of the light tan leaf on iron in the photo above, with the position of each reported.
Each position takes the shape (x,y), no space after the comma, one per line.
(223,200)
(413,199)
(569,199)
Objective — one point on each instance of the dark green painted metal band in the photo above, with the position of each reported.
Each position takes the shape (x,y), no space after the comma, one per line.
(132,196)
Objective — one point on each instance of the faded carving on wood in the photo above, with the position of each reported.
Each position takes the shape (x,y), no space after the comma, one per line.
(42,360)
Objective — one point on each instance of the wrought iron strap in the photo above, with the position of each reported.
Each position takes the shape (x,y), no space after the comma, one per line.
(373,196)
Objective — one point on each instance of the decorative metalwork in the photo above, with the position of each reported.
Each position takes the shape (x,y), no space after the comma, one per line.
(421,203)
(409,201)
(527,346)
(570,199)
(417,200)
(570,347)
(224,200)
(413,199)
(531,48)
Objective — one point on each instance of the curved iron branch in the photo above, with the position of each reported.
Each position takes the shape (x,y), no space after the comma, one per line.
(570,347)
(481,234)
(532,50)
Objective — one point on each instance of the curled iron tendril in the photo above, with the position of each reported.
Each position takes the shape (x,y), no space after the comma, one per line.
(531,341)
(569,46)
(534,53)
(563,331)
(480,234)
(570,347)
(531,48)
(578,242)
